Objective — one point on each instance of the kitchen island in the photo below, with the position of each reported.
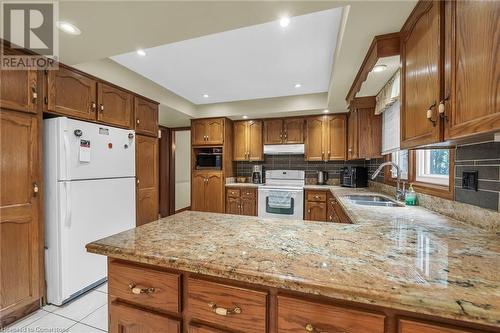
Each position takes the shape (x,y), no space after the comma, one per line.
(403,269)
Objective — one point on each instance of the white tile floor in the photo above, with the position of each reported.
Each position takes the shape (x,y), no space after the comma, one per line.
(86,314)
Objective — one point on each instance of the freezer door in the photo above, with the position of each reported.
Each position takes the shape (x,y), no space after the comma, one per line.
(89,210)
(92,151)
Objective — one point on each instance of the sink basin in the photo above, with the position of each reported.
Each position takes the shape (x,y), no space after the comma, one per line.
(373,200)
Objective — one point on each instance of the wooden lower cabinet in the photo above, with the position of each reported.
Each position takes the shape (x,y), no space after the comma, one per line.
(410,326)
(207,191)
(21,247)
(147,163)
(127,319)
(241,201)
(321,205)
(197,328)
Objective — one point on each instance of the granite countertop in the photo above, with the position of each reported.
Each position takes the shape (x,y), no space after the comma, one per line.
(243,185)
(406,258)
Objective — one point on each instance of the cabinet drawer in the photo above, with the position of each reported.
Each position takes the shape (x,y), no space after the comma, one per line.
(236,308)
(408,326)
(125,319)
(301,316)
(165,296)
(233,192)
(248,193)
(319,196)
(197,328)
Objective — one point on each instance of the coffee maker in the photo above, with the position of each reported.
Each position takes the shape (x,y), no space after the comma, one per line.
(257,174)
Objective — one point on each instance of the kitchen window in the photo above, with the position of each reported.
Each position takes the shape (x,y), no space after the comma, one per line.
(401,159)
(433,166)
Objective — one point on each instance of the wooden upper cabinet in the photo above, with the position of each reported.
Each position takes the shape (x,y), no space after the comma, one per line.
(19,90)
(127,319)
(364,132)
(146,117)
(247,145)
(115,106)
(293,130)
(472,69)
(421,75)
(314,146)
(19,213)
(207,131)
(336,138)
(352,135)
(71,94)
(147,179)
(273,131)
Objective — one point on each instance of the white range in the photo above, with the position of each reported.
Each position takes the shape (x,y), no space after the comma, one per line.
(282,196)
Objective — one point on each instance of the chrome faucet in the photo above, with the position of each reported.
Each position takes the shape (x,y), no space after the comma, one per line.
(400,192)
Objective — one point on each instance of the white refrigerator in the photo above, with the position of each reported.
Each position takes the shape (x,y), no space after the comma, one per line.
(89,174)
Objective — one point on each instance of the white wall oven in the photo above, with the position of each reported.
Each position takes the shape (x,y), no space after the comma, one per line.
(282,196)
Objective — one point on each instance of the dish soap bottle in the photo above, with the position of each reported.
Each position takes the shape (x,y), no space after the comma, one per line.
(411,196)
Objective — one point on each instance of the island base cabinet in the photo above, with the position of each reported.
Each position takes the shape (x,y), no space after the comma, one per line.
(409,326)
(300,316)
(126,319)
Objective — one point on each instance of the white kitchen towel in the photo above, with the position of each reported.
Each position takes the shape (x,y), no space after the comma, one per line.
(279,199)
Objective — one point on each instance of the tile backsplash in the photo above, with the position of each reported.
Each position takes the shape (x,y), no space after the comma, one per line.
(297,162)
(485,159)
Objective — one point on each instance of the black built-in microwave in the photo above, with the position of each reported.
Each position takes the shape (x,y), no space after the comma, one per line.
(209,159)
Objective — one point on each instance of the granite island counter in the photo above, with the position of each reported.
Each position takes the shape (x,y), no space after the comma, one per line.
(391,264)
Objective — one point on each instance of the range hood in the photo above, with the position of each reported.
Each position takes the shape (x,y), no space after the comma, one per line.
(297,149)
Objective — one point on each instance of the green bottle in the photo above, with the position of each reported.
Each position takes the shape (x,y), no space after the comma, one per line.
(411,196)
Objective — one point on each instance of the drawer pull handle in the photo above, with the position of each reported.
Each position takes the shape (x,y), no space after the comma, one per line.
(311,328)
(136,290)
(223,311)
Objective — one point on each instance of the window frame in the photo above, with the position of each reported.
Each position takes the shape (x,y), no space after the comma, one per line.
(442,191)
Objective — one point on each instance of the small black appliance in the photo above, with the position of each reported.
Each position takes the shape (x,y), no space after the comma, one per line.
(354,176)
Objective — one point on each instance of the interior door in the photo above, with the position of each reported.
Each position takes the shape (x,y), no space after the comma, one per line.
(336,138)
(147,179)
(126,319)
(19,90)
(146,117)
(255,147)
(115,106)
(472,68)
(240,143)
(273,131)
(314,139)
(71,94)
(20,245)
(293,129)
(215,131)
(421,77)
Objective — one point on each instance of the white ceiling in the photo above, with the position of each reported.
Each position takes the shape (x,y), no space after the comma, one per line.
(259,61)
(376,80)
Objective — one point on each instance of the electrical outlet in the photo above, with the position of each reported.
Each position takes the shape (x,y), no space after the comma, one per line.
(470,180)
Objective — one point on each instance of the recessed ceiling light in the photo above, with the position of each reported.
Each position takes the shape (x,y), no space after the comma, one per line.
(141,52)
(245,117)
(68,28)
(284,21)
(326,111)
(379,68)
(298,85)
(205,96)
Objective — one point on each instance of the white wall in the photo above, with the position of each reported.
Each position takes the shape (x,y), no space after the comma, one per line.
(182,169)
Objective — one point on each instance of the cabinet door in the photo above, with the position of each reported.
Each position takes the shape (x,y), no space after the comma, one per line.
(147,179)
(248,206)
(199,132)
(352,135)
(314,139)
(214,195)
(146,117)
(198,185)
(315,211)
(233,205)
(330,211)
(20,246)
(115,106)
(240,143)
(255,147)
(293,129)
(273,131)
(196,328)
(369,133)
(420,76)
(336,138)
(215,131)
(71,94)
(19,90)
(472,68)
(408,326)
(125,319)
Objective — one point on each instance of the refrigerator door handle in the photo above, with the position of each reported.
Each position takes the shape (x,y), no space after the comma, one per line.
(67,188)
(67,153)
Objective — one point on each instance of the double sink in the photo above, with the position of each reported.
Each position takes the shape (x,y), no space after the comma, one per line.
(372,200)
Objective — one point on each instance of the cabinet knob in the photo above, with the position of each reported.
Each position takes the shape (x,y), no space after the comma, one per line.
(137,290)
(34,94)
(224,311)
(311,328)
(93,106)
(442,108)
(35,189)
(138,121)
(430,113)
(101,108)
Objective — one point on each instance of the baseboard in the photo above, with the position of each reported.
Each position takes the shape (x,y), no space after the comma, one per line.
(183,209)
(19,313)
